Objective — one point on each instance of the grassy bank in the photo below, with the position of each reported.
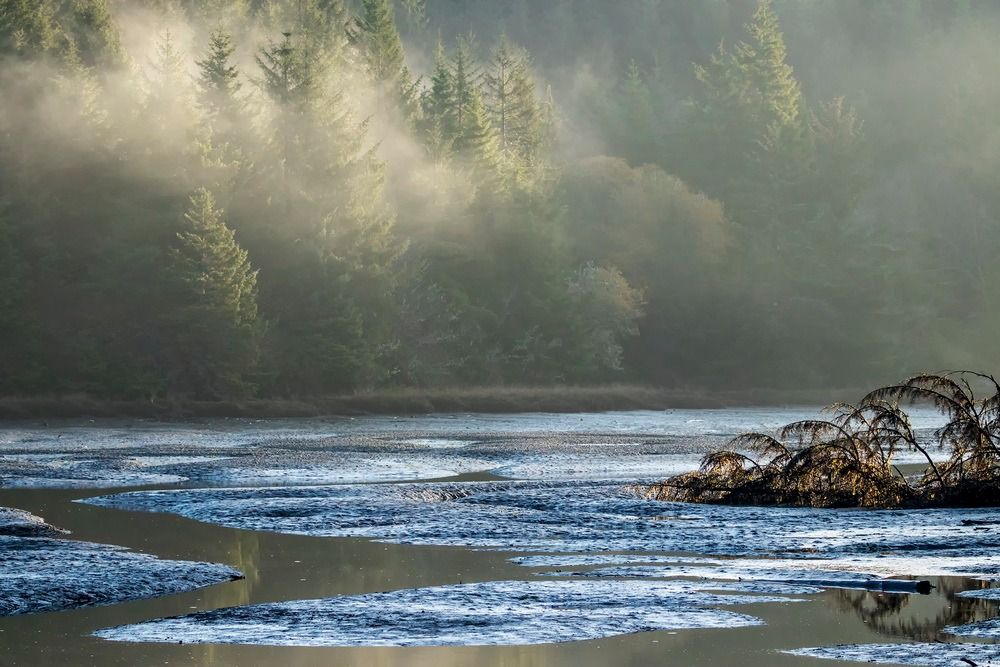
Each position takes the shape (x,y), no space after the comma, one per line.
(417,401)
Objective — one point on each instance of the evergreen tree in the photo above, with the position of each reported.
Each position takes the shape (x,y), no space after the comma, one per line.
(632,125)
(769,71)
(322,29)
(383,50)
(26,27)
(477,141)
(219,84)
(226,139)
(513,105)
(169,111)
(464,86)
(291,86)
(750,119)
(215,325)
(439,123)
(328,239)
(91,28)
(380,40)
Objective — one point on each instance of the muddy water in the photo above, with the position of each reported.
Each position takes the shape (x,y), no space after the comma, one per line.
(287,567)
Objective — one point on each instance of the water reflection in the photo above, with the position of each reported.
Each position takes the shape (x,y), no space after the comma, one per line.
(917,617)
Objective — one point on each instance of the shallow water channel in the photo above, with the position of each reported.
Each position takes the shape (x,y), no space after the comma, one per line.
(281,567)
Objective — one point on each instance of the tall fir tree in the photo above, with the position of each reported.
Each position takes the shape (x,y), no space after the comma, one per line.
(219,86)
(632,124)
(465,77)
(380,40)
(477,143)
(771,75)
(226,139)
(512,101)
(383,51)
(749,118)
(328,238)
(214,325)
(169,103)
(437,103)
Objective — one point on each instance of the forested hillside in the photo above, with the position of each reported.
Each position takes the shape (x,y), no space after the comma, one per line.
(226,198)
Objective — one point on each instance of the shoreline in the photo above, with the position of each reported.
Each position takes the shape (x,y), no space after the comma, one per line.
(486,400)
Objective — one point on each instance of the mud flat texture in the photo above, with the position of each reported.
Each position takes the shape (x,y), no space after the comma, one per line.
(643,445)
(491,613)
(933,655)
(40,572)
(584,517)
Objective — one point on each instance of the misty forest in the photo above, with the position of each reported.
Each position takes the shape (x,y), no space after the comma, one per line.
(495,332)
(218,199)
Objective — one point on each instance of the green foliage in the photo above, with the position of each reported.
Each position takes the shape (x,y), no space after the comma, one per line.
(26,27)
(380,40)
(608,308)
(513,106)
(214,327)
(92,32)
(581,209)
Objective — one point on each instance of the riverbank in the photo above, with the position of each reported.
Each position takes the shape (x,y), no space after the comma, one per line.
(599,398)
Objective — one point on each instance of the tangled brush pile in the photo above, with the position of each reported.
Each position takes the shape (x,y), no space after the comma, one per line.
(847,460)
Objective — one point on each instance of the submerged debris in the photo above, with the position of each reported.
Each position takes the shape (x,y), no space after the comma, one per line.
(766,573)
(491,613)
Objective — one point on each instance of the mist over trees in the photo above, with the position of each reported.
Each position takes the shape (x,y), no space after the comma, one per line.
(223,198)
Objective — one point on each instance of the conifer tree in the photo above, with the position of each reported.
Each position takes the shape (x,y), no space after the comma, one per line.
(291,87)
(91,27)
(328,243)
(383,49)
(321,28)
(439,123)
(749,118)
(770,73)
(478,140)
(219,84)
(380,39)
(513,105)
(169,99)
(464,86)
(226,139)
(26,27)
(632,124)
(216,329)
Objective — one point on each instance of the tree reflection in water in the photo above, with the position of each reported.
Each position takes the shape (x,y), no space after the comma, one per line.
(917,617)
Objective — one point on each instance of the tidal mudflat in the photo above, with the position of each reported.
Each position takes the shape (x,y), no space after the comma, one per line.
(41,570)
(524,542)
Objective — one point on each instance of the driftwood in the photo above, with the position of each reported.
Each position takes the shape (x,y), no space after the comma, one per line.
(848,460)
